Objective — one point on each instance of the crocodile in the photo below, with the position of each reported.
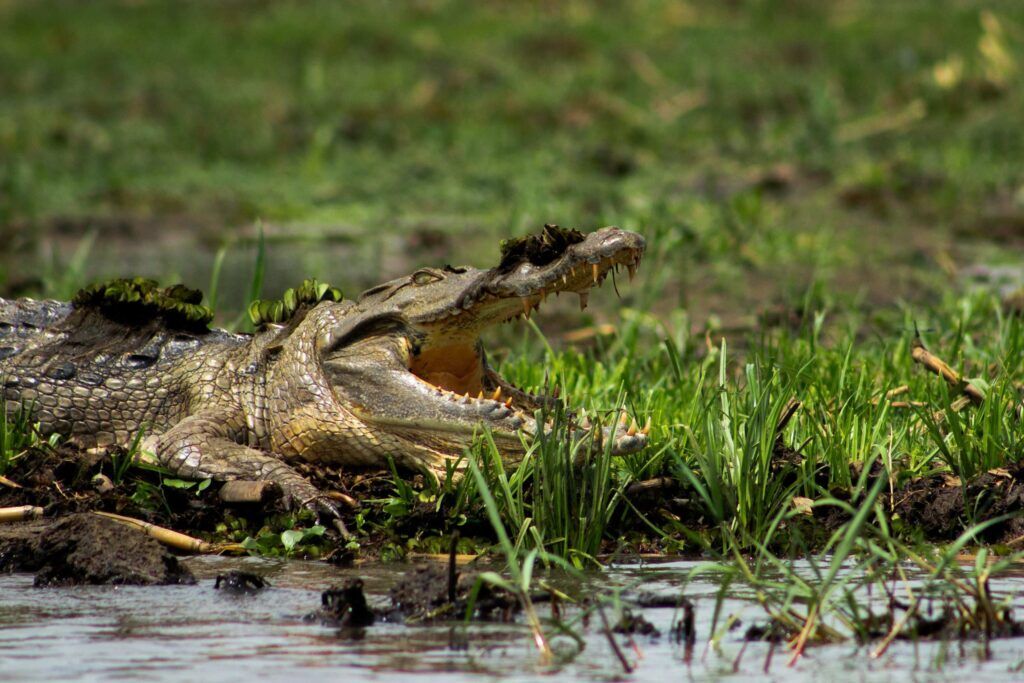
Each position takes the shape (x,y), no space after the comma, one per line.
(399,372)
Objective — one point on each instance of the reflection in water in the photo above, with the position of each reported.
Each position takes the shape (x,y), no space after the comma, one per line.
(183,632)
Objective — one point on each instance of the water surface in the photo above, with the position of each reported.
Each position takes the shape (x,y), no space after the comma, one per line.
(188,632)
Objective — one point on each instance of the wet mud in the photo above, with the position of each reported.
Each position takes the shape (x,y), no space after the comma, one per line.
(424,594)
(240,582)
(940,507)
(64,481)
(82,548)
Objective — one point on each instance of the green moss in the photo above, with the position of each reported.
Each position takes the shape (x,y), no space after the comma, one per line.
(539,249)
(139,300)
(308,294)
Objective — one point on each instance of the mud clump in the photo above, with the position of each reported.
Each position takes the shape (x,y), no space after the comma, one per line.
(434,592)
(87,549)
(240,582)
(941,506)
(344,606)
(635,624)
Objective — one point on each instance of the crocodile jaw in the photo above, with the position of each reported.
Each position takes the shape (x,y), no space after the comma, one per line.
(430,383)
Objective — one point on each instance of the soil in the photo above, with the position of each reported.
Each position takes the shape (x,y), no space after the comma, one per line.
(434,592)
(83,548)
(941,506)
(425,594)
(65,481)
(240,582)
(344,607)
(635,624)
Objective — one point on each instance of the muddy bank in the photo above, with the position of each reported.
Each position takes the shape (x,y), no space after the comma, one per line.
(64,481)
(940,507)
(83,548)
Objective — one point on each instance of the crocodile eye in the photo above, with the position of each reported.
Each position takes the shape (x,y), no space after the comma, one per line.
(425,277)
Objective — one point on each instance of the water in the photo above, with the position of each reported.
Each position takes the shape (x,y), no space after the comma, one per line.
(194,632)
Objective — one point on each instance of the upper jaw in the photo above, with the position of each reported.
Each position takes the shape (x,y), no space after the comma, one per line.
(518,286)
(581,266)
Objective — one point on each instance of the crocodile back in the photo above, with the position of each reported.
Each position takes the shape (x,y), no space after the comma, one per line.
(99,381)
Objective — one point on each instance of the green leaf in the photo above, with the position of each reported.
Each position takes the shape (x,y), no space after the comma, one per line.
(180,483)
(290,538)
(291,300)
(254,312)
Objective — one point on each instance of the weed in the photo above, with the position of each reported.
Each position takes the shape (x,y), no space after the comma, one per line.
(19,434)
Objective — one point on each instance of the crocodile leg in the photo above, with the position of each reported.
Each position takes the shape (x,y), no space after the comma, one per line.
(203,446)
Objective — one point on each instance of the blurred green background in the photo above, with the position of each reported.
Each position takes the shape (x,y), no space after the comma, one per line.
(771,151)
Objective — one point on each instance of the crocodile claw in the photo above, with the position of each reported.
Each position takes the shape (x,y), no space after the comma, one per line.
(624,436)
(303,494)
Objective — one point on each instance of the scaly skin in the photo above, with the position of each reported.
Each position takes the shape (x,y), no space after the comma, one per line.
(400,373)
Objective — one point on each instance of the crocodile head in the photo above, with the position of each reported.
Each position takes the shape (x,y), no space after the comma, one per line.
(438,388)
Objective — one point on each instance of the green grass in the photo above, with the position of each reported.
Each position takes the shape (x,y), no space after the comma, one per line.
(715,424)
(18,435)
(894,123)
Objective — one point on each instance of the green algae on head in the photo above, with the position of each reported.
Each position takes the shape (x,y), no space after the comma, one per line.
(140,300)
(540,249)
(307,294)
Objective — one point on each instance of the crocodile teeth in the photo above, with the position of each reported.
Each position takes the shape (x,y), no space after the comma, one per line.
(631,267)
(647,428)
(508,403)
(583,299)
(526,307)
(496,395)
(596,271)
(633,428)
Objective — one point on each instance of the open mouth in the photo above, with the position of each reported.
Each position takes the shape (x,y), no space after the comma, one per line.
(450,357)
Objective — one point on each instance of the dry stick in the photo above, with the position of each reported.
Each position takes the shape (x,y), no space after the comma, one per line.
(453,574)
(244,491)
(938,366)
(627,667)
(20,513)
(343,498)
(898,391)
(788,412)
(908,404)
(891,394)
(801,641)
(7,482)
(174,539)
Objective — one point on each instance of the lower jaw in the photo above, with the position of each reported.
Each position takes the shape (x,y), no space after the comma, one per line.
(452,440)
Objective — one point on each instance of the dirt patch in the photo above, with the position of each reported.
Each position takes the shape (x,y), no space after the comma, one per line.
(941,506)
(631,623)
(88,549)
(344,607)
(437,592)
(240,582)
(66,480)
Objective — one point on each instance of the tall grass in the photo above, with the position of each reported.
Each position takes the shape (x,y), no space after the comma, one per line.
(562,497)
(717,417)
